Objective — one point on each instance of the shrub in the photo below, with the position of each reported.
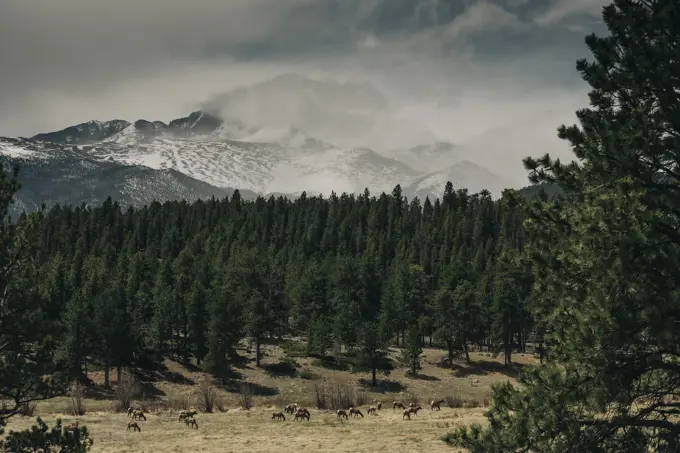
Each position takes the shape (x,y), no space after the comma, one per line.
(246,396)
(28,408)
(128,389)
(76,406)
(286,367)
(206,393)
(308,375)
(294,349)
(338,395)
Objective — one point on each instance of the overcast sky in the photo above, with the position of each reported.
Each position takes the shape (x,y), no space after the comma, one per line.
(496,74)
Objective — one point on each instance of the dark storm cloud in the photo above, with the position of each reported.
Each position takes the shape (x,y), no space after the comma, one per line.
(461,66)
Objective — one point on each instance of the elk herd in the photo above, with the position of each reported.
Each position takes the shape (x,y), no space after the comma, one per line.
(298,412)
(301,413)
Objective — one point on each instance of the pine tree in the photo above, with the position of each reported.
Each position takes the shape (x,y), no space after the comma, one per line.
(606,258)
(412,351)
(25,331)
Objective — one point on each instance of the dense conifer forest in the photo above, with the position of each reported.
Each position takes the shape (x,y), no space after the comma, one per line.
(127,288)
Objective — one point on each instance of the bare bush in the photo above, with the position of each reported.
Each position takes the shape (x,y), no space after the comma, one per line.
(179,403)
(411,398)
(207,396)
(456,402)
(128,389)
(28,408)
(246,396)
(76,405)
(338,395)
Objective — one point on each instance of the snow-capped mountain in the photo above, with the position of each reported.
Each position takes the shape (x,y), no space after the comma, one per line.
(61,174)
(284,160)
(263,151)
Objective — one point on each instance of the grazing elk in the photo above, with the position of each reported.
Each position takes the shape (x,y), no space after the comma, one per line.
(355,411)
(436,405)
(291,408)
(191,421)
(278,416)
(138,415)
(341,413)
(302,414)
(406,414)
(372,410)
(398,404)
(132,425)
(187,413)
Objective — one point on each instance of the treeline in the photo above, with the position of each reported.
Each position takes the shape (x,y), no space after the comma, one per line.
(127,288)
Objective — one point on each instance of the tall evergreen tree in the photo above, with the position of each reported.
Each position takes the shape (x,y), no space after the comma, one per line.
(607,258)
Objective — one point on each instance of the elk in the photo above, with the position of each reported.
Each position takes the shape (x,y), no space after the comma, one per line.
(132,425)
(278,416)
(191,421)
(398,404)
(436,404)
(414,410)
(130,411)
(406,414)
(355,411)
(291,408)
(138,415)
(372,410)
(302,414)
(187,413)
(341,413)
(379,405)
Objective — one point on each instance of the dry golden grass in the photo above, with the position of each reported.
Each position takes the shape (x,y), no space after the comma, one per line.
(254,431)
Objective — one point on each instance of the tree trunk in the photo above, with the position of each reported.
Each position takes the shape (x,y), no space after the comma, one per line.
(119,373)
(107,384)
(449,346)
(373,371)
(257,352)
(430,340)
(467,352)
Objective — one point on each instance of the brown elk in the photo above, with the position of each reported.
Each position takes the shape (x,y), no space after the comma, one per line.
(341,413)
(278,416)
(138,415)
(130,411)
(187,413)
(132,425)
(436,404)
(406,414)
(302,414)
(291,408)
(372,410)
(414,410)
(398,404)
(379,405)
(355,411)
